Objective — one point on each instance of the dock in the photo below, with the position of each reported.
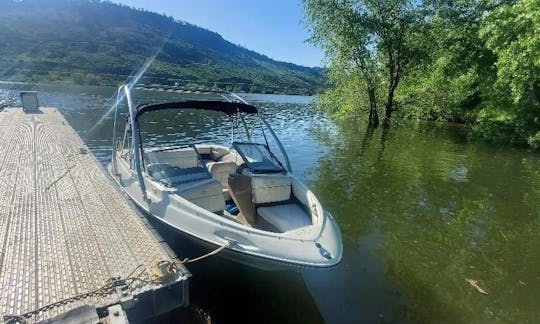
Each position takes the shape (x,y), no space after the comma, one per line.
(71,245)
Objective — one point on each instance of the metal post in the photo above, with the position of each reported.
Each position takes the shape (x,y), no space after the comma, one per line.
(113,157)
(232,128)
(135,140)
(246,128)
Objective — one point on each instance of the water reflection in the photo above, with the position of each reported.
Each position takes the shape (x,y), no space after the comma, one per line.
(436,211)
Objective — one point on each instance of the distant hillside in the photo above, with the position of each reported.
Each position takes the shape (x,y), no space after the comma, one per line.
(94,42)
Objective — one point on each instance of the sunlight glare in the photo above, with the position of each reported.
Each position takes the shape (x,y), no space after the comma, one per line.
(130,84)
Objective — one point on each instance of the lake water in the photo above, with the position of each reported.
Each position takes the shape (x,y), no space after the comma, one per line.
(422,211)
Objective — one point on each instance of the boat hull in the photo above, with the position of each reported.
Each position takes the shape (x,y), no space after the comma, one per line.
(179,240)
(249,247)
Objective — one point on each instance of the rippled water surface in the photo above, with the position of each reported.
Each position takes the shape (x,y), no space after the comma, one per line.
(421,211)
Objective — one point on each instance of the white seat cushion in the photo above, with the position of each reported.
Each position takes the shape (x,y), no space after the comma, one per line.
(206,194)
(285,217)
(217,152)
(203,149)
(221,171)
(174,176)
(231,157)
(182,157)
(270,188)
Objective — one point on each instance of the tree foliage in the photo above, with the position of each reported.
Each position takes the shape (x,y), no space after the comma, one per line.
(373,40)
(512,32)
(468,61)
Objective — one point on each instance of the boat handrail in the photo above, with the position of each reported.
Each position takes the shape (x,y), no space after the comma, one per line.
(113,157)
(134,137)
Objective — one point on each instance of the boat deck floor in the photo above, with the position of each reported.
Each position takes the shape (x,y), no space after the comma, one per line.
(65,229)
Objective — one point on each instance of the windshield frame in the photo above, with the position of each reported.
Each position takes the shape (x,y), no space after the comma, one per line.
(255,166)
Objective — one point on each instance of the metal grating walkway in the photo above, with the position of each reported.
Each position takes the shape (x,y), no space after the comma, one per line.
(64,228)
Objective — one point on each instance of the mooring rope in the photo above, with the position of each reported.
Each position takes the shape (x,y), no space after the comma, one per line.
(216,251)
(108,287)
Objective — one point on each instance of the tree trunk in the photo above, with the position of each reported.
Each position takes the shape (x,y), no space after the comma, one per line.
(394,75)
(394,80)
(373,113)
(389,107)
(536,91)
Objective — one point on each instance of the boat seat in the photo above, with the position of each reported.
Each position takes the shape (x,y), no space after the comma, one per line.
(221,171)
(203,149)
(231,157)
(182,158)
(217,153)
(285,217)
(174,176)
(206,194)
(270,188)
(194,184)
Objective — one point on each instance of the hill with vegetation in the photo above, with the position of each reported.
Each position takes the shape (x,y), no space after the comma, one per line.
(102,43)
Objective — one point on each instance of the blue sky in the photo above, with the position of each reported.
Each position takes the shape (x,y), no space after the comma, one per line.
(270,27)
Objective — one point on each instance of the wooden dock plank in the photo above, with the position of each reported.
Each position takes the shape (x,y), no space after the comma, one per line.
(64,228)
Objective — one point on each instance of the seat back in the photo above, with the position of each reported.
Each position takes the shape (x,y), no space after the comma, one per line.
(182,158)
(270,188)
(231,157)
(217,152)
(221,171)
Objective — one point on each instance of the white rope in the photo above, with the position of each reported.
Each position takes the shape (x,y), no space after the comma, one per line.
(216,251)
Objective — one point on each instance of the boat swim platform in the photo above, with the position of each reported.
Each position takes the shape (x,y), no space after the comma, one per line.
(71,245)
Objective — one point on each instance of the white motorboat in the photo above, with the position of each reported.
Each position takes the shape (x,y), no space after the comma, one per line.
(239,196)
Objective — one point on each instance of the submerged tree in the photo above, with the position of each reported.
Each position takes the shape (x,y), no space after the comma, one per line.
(377,38)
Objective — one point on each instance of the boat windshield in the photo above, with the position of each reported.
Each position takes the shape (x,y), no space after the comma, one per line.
(258,157)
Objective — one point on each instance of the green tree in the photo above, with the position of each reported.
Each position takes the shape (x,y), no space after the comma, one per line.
(512,32)
(454,79)
(377,41)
